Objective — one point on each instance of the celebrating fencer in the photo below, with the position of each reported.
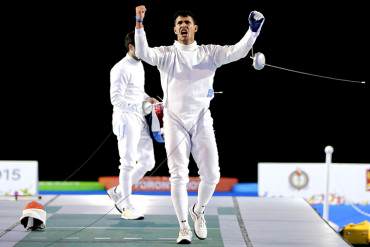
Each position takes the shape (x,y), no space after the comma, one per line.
(187,71)
(135,145)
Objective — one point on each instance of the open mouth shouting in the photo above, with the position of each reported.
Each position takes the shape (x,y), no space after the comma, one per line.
(184,32)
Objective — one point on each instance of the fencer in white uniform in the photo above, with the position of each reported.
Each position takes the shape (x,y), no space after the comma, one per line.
(187,71)
(135,145)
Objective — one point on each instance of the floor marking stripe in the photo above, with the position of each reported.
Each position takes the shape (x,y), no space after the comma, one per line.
(243,230)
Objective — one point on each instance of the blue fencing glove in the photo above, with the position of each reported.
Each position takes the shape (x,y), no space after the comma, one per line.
(256,20)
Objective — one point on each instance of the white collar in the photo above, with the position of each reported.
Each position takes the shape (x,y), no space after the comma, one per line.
(131,59)
(183,47)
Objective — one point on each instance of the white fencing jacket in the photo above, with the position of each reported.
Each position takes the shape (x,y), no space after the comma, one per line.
(187,71)
(127,85)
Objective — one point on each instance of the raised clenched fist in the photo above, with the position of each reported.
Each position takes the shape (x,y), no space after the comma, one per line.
(140,12)
(256,20)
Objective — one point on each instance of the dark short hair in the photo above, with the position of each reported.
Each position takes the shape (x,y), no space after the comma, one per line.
(184,13)
(130,39)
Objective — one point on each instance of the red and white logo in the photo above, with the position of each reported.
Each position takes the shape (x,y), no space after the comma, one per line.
(298,179)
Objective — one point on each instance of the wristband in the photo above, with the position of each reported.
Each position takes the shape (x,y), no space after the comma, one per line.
(138,19)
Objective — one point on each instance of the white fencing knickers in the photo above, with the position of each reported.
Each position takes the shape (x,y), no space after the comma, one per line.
(195,136)
(136,151)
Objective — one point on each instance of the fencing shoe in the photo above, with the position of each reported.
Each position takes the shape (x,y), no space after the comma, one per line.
(200,227)
(115,196)
(185,236)
(131,213)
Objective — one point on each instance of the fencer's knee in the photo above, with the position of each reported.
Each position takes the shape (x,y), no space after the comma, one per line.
(126,166)
(211,178)
(177,179)
(179,175)
(149,166)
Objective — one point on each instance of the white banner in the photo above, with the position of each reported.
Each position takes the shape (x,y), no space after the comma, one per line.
(18,177)
(349,183)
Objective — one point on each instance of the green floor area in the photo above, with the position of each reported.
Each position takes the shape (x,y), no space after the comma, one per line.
(79,230)
(70,186)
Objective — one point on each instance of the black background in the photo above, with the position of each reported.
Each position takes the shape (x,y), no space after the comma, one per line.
(54,90)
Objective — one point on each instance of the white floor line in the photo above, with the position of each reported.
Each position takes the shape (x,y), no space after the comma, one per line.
(167,238)
(102,238)
(132,238)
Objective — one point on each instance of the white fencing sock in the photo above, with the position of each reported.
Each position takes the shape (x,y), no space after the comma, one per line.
(125,183)
(205,192)
(179,196)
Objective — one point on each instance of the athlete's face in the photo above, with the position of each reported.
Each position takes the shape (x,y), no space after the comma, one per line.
(131,52)
(185,29)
